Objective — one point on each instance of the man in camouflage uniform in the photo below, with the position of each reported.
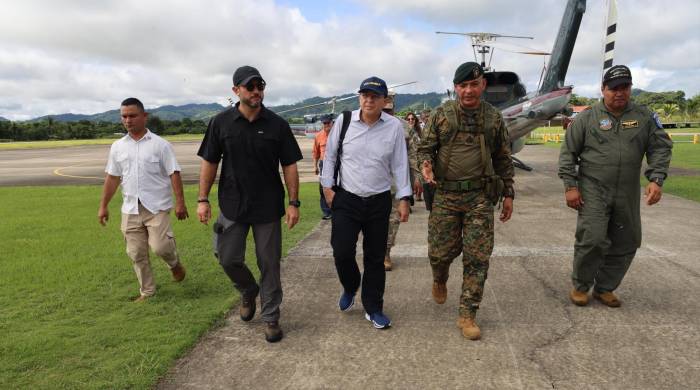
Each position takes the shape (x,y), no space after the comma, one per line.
(467,143)
(608,143)
(411,142)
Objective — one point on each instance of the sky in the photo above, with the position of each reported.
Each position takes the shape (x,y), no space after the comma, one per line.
(85,56)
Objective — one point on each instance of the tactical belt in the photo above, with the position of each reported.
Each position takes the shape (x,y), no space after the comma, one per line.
(460,185)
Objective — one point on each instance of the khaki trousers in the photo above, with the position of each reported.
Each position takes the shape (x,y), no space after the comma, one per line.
(144,230)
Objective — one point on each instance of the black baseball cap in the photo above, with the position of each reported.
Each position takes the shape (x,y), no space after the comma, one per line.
(374,84)
(617,75)
(244,74)
(326,118)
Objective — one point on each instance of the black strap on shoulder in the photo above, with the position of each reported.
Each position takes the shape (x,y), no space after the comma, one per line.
(347,115)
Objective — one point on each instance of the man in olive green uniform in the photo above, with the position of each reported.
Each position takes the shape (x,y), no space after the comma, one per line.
(608,143)
(394,220)
(467,143)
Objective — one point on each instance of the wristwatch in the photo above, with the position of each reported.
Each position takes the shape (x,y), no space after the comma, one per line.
(659,181)
(295,203)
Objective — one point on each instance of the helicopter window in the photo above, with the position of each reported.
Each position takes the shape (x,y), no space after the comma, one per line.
(497,94)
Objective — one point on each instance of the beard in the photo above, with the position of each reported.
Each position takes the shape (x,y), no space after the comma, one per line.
(250,103)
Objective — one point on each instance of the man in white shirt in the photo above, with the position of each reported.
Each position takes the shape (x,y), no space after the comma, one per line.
(373,154)
(145,165)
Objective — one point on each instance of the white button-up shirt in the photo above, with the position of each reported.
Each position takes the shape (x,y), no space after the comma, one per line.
(372,155)
(145,167)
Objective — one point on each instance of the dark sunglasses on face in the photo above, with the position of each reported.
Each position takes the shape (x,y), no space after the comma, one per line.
(411,119)
(251,86)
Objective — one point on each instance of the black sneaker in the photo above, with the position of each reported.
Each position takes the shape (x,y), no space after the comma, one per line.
(273,332)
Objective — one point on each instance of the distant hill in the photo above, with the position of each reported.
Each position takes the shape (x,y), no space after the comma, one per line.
(204,112)
(402,102)
(170,113)
(4,119)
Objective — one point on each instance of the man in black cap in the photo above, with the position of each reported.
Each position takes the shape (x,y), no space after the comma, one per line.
(467,142)
(608,143)
(253,142)
(373,155)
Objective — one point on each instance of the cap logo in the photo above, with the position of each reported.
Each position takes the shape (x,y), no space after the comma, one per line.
(373,83)
(476,72)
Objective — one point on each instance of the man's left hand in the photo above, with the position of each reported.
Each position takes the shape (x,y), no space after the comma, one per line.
(403,210)
(291,217)
(507,209)
(653,193)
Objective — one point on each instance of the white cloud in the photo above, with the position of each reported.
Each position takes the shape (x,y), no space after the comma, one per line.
(86,56)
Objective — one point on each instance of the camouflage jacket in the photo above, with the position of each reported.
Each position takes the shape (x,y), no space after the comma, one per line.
(438,135)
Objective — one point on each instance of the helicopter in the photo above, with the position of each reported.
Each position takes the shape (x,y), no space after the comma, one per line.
(311,121)
(524,112)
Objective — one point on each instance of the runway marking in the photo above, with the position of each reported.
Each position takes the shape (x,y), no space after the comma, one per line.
(57,171)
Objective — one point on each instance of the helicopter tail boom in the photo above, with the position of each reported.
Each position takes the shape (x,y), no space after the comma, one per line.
(563,46)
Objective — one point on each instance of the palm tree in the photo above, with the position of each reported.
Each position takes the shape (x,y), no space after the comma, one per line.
(668,109)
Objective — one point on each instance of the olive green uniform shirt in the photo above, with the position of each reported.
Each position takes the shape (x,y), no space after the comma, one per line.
(609,150)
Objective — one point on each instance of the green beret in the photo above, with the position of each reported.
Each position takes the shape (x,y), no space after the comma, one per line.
(468,71)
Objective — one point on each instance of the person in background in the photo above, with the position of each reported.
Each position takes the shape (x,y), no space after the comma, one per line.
(317,153)
(145,165)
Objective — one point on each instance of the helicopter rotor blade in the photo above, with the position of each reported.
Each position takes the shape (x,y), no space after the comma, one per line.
(401,85)
(513,48)
(303,107)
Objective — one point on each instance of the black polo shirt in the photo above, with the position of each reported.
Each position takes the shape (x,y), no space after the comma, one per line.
(250,187)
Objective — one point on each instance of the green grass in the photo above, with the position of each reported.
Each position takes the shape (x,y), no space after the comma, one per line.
(686,156)
(65,316)
(82,142)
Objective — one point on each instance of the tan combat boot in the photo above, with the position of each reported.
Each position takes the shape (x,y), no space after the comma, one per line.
(439,292)
(387,262)
(469,328)
(579,298)
(607,298)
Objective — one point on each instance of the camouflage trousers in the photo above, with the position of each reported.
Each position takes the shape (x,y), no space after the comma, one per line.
(462,222)
(394,223)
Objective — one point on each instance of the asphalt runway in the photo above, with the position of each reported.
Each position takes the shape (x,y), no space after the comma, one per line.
(84,165)
(533,337)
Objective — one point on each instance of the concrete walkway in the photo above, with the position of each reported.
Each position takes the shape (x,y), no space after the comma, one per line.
(533,338)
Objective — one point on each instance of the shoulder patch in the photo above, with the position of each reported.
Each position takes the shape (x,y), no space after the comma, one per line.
(657,120)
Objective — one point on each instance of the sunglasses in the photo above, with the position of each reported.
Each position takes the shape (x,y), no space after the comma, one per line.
(411,119)
(251,86)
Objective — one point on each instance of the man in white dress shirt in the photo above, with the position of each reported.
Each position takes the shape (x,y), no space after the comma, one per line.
(145,165)
(373,154)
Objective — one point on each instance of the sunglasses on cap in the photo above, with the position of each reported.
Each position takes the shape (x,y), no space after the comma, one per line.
(253,85)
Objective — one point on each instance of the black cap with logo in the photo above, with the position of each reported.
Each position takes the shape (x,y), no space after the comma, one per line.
(244,74)
(617,75)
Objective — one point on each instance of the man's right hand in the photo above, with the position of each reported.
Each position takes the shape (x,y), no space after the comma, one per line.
(573,198)
(329,194)
(427,172)
(103,216)
(204,212)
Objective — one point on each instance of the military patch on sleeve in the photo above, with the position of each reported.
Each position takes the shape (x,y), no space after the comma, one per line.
(656,118)
(629,124)
(605,124)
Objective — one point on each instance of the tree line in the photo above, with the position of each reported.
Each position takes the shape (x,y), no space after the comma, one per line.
(50,129)
(671,106)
